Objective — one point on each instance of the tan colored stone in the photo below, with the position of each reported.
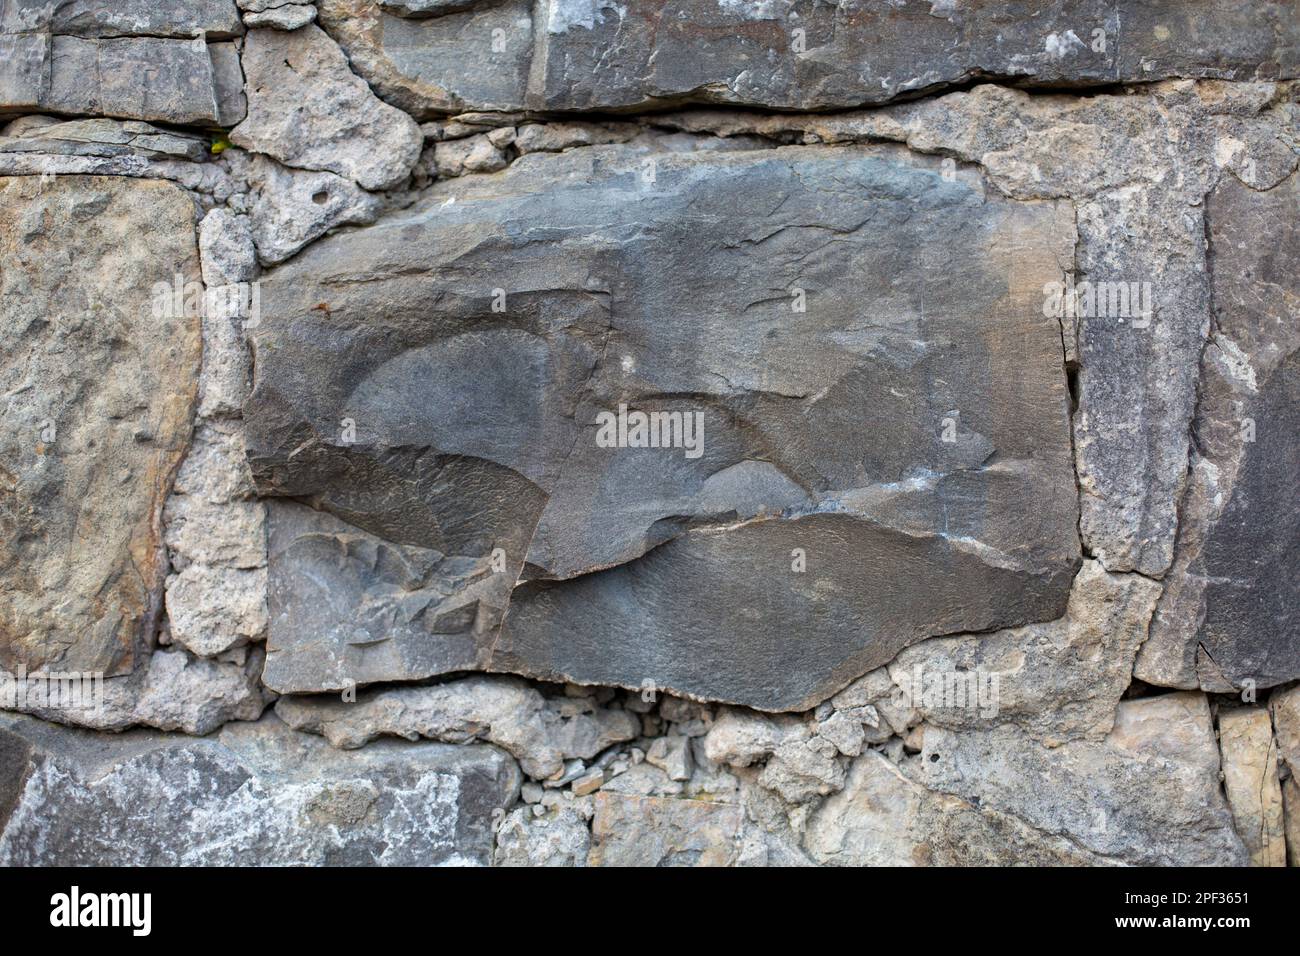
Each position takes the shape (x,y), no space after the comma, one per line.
(1250,780)
(99,390)
(662,831)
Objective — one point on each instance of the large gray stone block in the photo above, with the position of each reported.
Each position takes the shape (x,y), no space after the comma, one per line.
(890,463)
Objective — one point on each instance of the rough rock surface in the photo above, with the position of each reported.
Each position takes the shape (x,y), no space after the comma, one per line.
(988,313)
(596,56)
(307,109)
(520,469)
(1149,776)
(1250,781)
(98,374)
(542,734)
(1228,617)
(89,802)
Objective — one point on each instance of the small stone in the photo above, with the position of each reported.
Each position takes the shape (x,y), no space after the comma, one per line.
(672,755)
(538,837)
(588,783)
(291,16)
(475,154)
(293,207)
(655,831)
(226,248)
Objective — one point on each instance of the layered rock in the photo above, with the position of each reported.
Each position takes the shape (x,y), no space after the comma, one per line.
(138,60)
(596,56)
(435,383)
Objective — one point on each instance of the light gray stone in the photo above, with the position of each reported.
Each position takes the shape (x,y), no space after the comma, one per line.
(1250,781)
(308,110)
(477,58)
(170,691)
(1146,795)
(256,794)
(292,208)
(226,247)
(561,837)
(656,831)
(103,137)
(290,16)
(503,711)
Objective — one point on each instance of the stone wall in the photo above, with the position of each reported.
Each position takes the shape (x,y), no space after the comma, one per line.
(729,432)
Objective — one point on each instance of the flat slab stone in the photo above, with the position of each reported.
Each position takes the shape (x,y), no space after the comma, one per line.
(599,55)
(874,430)
(100,388)
(1230,615)
(255,794)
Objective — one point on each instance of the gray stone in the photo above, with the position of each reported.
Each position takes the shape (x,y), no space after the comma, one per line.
(477,58)
(255,794)
(228,83)
(672,755)
(348,607)
(503,711)
(424,8)
(215,19)
(1228,618)
(25,60)
(1147,795)
(100,329)
(292,208)
(104,137)
(605,56)
(308,110)
(517,466)
(553,137)
(291,16)
(144,78)
(751,54)
(474,154)
(561,837)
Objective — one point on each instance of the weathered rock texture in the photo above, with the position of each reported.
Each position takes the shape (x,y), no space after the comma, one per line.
(99,375)
(643,434)
(243,798)
(774,380)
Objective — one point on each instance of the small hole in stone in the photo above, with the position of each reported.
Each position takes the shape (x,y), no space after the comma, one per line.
(320,198)
(933,758)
